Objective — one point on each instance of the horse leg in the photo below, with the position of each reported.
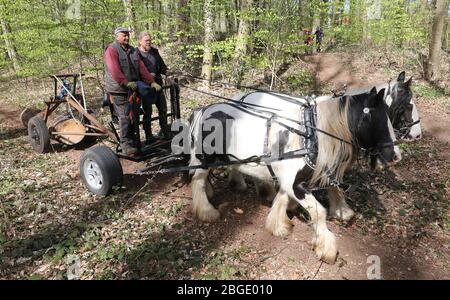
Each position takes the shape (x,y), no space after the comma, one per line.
(324,240)
(236,180)
(209,188)
(338,207)
(264,190)
(277,221)
(293,205)
(200,205)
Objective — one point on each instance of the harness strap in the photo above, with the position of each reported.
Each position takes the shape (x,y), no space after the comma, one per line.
(225,98)
(266,139)
(272,173)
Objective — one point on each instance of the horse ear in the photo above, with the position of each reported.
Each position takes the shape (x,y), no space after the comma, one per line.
(408,83)
(373,91)
(380,95)
(401,77)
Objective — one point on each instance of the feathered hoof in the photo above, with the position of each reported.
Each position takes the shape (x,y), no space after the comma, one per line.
(326,247)
(280,229)
(343,213)
(209,214)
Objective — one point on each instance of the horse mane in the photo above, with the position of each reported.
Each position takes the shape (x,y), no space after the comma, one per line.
(334,156)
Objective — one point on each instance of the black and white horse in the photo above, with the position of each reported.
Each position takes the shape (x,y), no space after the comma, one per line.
(344,125)
(402,110)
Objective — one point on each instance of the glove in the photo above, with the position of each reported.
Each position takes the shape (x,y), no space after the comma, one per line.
(156,86)
(132,85)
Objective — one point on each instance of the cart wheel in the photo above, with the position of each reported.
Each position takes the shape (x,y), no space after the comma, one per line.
(38,134)
(100,170)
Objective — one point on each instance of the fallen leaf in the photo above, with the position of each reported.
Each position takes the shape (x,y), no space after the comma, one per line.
(238,211)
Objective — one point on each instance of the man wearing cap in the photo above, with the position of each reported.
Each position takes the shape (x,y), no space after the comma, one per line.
(156,66)
(123,68)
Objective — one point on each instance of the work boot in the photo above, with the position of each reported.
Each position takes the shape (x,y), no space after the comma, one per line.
(149,138)
(165,134)
(128,149)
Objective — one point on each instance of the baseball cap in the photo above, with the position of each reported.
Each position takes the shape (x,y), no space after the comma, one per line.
(121,29)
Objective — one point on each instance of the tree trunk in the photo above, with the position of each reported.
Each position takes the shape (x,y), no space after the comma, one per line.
(147,10)
(12,54)
(445,33)
(183,17)
(301,15)
(209,37)
(165,16)
(434,57)
(240,50)
(131,19)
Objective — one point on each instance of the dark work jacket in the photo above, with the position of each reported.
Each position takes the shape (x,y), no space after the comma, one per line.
(154,63)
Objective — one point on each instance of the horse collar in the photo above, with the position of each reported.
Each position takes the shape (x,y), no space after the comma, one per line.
(311,142)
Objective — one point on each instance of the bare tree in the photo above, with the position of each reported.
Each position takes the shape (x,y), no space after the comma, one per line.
(183,17)
(12,53)
(242,40)
(434,56)
(131,19)
(209,37)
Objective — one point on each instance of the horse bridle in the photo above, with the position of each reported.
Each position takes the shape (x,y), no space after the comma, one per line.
(367,116)
(397,110)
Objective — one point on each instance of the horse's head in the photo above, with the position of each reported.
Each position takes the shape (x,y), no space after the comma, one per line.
(371,127)
(402,110)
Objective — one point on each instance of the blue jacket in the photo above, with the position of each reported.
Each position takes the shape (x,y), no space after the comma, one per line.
(146,93)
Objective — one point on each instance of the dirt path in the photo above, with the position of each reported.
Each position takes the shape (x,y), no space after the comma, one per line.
(330,71)
(434,120)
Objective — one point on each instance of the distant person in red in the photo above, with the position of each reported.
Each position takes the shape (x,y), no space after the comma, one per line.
(123,68)
(308,40)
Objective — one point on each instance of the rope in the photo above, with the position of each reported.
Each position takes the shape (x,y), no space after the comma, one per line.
(226,99)
(283,96)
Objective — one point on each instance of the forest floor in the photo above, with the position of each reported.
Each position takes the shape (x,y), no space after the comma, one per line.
(145,229)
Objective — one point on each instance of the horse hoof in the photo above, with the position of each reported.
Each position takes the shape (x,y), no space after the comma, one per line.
(209,215)
(280,230)
(343,214)
(326,247)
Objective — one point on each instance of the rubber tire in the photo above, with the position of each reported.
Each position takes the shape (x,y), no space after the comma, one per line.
(42,145)
(110,168)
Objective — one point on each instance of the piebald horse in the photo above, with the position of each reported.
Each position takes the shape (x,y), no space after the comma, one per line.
(402,110)
(343,126)
(400,106)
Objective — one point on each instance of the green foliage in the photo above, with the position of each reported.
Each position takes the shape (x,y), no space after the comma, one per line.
(48,40)
(427,91)
(301,81)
